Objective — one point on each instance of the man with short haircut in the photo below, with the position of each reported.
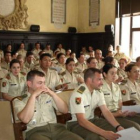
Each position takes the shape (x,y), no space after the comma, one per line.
(98,56)
(36,109)
(36,50)
(7,59)
(22,50)
(83,102)
(52,79)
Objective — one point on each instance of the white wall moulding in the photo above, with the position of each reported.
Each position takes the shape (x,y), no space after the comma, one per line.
(13,14)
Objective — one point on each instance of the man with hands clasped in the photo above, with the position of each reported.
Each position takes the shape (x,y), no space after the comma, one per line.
(37,111)
(83,102)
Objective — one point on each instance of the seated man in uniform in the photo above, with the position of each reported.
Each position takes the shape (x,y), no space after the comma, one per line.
(36,109)
(83,102)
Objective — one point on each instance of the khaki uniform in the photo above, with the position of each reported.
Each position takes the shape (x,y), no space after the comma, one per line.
(130,91)
(82,101)
(122,73)
(48,51)
(29,66)
(100,64)
(52,79)
(36,53)
(71,79)
(61,50)
(112,98)
(43,123)
(3,73)
(22,52)
(13,86)
(121,55)
(81,67)
(60,68)
(5,65)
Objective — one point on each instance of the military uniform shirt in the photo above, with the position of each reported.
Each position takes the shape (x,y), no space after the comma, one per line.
(71,79)
(130,91)
(100,64)
(22,52)
(122,73)
(59,67)
(43,110)
(48,51)
(36,53)
(82,101)
(1,54)
(5,65)
(13,86)
(61,50)
(52,79)
(112,96)
(81,67)
(29,66)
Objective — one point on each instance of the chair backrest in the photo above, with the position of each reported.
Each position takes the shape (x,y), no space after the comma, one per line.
(6,125)
(65,96)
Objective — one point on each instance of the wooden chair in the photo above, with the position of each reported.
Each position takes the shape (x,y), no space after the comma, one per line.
(8,129)
(65,96)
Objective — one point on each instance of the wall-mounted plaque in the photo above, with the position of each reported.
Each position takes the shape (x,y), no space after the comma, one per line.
(94,12)
(58,11)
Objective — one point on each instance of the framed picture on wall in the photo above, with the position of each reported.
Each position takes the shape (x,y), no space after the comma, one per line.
(94,12)
(58,11)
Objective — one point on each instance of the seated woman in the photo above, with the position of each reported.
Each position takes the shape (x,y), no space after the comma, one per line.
(131,89)
(112,94)
(121,69)
(71,78)
(14,83)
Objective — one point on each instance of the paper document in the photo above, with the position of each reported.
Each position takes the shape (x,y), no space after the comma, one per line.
(129,134)
(134,108)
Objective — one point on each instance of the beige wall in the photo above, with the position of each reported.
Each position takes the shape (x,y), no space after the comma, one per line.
(107,15)
(39,12)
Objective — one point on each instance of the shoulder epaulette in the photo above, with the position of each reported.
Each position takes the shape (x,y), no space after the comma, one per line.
(63,73)
(81,89)
(23,73)
(123,82)
(8,76)
(22,97)
(51,68)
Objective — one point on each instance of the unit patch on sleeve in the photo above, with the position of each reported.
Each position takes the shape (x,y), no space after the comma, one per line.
(3,84)
(123,92)
(78,100)
(81,89)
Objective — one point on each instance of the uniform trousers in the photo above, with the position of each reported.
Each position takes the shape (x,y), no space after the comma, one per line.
(88,135)
(51,132)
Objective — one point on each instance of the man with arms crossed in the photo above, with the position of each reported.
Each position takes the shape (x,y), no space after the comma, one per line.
(83,102)
(37,111)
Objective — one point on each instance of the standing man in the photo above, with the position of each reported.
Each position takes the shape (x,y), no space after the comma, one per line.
(83,102)
(37,111)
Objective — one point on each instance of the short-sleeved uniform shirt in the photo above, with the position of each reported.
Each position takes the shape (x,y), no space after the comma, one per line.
(43,110)
(80,67)
(22,52)
(100,64)
(71,78)
(112,96)
(122,73)
(12,85)
(36,53)
(82,101)
(130,91)
(52,78)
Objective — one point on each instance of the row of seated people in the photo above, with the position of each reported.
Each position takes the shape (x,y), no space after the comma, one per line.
(36,108)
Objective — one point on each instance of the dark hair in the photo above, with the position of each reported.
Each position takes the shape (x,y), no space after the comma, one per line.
(59,55)
(129,67)
(33,73)
(37,43)
(44,54)
(107,67)
(90,72)
(90,59)
(137,59)
(7,52)
(14,61)
(69,60)
(29,53)
(108,60)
